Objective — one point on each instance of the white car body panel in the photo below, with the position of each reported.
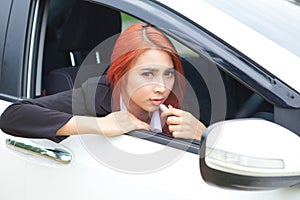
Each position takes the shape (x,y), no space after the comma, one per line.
(264,51)
(31,179)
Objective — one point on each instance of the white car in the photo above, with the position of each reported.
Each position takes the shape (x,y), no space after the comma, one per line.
(240,59)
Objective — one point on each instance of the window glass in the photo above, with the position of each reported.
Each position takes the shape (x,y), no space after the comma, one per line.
(4,15)
(14,48)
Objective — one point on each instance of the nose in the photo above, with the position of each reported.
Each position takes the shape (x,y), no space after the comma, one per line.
(160,86)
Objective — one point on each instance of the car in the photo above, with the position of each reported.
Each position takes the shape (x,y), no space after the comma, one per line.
(240,60)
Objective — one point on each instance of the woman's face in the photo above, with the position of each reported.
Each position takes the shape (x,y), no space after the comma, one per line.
(149,81)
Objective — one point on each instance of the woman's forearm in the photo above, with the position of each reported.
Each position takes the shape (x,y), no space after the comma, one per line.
(80,125)
(116,123)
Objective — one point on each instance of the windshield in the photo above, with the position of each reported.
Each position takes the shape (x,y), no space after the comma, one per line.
(276,19)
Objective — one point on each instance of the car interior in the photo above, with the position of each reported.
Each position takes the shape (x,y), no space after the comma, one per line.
(75,26)
(68,42)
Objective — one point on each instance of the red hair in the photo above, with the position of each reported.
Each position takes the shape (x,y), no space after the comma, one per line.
(133,42)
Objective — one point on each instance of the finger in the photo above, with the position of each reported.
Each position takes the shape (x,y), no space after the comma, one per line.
(171,111)
(172,120)
(174,128)
(178,134)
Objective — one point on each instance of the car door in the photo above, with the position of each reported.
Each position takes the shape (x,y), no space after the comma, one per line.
(136,165)
(34,177)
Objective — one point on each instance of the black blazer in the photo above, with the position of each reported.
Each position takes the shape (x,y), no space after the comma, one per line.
(42,117)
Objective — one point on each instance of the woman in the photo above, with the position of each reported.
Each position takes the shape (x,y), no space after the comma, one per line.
(145,72)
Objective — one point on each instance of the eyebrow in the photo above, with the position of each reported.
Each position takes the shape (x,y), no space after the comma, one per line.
(152,69)
(149,69)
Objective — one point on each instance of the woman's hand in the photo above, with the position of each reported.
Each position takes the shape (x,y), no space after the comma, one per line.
(183,124)
(120,122)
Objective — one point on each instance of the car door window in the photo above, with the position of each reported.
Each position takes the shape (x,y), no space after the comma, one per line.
(4,15)
(15,28)
(64,54)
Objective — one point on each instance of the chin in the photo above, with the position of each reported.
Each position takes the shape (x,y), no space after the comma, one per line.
(152,108)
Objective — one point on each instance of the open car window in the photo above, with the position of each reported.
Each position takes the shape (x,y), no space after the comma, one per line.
(212,95)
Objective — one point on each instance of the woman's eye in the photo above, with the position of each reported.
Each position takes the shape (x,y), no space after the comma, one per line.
(170,74)
(148,74)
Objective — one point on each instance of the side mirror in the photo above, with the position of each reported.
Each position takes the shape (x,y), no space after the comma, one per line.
(250,154)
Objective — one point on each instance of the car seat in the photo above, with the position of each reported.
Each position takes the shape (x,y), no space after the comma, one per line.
(88,25)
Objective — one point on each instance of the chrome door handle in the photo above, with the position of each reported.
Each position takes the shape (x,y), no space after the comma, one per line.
(52,151)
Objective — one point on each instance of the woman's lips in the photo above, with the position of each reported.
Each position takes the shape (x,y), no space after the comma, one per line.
(156,102)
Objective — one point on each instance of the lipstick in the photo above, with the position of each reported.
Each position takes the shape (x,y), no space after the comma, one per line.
(163,107)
